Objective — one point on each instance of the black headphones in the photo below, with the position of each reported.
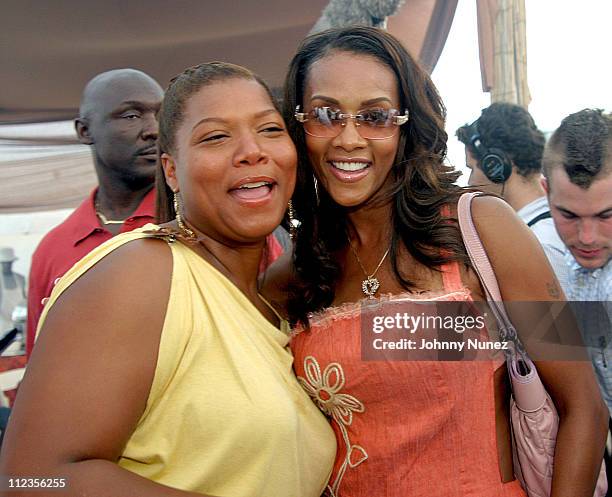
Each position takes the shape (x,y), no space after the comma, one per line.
(494,162)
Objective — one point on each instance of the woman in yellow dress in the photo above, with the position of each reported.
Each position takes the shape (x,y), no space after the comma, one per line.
(160,370)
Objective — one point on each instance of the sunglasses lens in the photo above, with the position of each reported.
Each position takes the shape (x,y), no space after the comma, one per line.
(377,124)
(323,122)
(373,124)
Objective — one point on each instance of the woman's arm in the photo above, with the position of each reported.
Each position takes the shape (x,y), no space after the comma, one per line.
(89,377)
(524,275)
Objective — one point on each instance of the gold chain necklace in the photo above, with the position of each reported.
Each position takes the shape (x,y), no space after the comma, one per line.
(370,285)
(103,218)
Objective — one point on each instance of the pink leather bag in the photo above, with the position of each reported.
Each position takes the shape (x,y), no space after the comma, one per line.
(534,418)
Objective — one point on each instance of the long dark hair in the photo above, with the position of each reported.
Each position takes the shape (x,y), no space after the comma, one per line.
(422,184)
(171,115)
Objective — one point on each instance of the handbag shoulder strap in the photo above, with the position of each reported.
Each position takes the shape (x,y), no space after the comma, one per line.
(482,265)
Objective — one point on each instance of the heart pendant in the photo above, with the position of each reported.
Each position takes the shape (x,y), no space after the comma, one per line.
(370,286)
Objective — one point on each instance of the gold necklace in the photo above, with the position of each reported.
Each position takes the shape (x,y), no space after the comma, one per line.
(370,285)
(103,218)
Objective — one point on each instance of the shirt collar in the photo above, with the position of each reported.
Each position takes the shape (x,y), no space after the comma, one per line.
(84,220)
(577,268)
(146,207)
(533,209)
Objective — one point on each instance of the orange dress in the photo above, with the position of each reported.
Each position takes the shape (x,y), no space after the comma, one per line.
(404,428)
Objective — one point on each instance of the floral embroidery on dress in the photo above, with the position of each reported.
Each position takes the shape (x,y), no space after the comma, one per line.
(324,389)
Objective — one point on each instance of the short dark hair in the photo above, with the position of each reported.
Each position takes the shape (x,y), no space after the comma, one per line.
(510,128)
(582,144)
(422,184)
(171,115)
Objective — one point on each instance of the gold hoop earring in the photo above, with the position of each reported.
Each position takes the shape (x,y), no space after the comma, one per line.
(179,219)
(294,223)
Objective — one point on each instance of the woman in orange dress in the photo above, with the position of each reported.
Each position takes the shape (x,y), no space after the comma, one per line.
(377,207)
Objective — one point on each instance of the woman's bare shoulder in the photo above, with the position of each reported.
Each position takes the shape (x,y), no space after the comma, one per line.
(520,264)
(136,264)
(136,275)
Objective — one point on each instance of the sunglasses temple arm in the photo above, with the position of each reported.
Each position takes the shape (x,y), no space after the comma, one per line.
(399,120)
(299,116)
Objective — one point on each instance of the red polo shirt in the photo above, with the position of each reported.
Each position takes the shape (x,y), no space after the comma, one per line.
(66,244)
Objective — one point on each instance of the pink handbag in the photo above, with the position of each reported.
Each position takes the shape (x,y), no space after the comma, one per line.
(533,416)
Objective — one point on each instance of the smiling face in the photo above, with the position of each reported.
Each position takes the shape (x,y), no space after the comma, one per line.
(233,163)
(352,169)
(583,217)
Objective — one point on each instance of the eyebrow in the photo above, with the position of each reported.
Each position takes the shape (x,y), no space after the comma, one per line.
(136,104)
(257,115)
(365,102)
(601,213)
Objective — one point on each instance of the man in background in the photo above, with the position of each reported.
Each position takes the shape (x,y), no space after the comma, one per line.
(117,118)
(504,149)
(578,180)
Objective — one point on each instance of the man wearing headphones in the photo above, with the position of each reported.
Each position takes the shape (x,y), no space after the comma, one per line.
(504,150)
